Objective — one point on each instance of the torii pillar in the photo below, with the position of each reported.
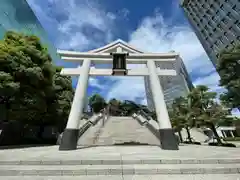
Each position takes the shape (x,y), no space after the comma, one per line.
(71,133)
(167,135)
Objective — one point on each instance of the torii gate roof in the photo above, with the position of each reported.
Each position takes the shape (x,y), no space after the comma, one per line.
(102,54)
(113,45)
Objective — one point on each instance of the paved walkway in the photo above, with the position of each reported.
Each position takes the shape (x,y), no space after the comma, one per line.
(119,152)
(137,177)
(148,153)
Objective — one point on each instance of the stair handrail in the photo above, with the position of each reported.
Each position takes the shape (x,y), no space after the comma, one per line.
(141,110)
(106,113)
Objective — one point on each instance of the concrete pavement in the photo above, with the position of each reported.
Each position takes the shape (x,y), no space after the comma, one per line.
(121,162)
(119,152)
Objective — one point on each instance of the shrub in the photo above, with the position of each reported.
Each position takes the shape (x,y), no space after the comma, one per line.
(224,144)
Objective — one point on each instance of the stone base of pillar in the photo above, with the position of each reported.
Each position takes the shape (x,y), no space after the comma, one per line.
(168,139)
(69,140)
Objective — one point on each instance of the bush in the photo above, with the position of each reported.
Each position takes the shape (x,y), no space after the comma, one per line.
(223,145)
(232,139)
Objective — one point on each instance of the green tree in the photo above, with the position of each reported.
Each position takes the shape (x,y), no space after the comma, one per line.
(28,65)
(183,115)
(115,106)
(228,67)
(130,107)
(208,112)
(29,82)
(97,103)
(60,102)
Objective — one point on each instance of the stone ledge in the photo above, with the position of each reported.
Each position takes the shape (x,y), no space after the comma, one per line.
(119,171)
(118,162)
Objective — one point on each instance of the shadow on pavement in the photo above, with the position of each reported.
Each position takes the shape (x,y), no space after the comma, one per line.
(24,146)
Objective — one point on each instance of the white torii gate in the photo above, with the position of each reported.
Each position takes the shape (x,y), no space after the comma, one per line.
(102,56)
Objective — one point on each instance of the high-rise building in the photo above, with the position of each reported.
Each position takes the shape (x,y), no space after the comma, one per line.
(215,22)
(16,15)
(173,87)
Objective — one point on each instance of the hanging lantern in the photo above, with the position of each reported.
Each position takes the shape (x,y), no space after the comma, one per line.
(119,64)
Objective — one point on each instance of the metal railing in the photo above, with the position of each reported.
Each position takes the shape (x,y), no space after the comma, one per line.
(145,113)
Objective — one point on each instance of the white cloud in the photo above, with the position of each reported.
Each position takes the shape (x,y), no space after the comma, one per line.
(155,35)
(127,88)
(211,81)
(80,24)
(94,82)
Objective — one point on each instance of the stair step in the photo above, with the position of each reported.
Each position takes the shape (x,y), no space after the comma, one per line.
(122,162)
(135,177)
(21,170)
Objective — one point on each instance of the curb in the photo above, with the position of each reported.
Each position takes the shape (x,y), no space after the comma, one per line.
(123,162)
(118,171)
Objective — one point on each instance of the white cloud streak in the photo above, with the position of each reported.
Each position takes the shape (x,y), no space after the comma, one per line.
(154,34)
(80,24)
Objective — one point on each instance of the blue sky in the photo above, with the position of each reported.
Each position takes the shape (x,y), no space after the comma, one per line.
(151,26)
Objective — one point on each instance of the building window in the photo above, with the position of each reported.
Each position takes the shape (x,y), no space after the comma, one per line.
(204,16)
(229,15)
(221,7)
(238,24)
(214,18)
(219,26)
(221,39)
(208,12)
(224,20)
(234,7)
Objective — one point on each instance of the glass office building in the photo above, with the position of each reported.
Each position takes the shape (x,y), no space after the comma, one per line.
(173,87)
(216,23)
(16,15)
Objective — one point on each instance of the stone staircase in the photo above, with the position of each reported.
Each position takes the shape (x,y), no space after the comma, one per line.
(116,131)
(88,138)
(121,163)
(118,168)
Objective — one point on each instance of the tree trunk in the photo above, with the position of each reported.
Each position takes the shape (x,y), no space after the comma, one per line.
(180,136)
(188,134)
(40,132)
(212,127)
